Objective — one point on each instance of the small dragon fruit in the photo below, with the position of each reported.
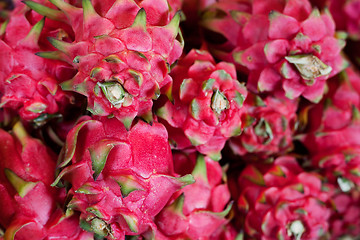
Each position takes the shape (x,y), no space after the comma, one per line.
(28,204)
(120,180)
(281,200)
(28,83)
(270,126)
(199,211)
(207,106)
(294,53)
(122,54)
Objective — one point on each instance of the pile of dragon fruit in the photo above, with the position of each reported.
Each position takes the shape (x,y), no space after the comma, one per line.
(180,119)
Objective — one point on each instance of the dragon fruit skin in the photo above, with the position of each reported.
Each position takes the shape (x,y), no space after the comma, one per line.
(282,200)
(270,128)
(116,175)
(207,105)
(122,62)
(226,232)
(294,53)
(28,83)
(28,202)
(158,13)
(198,213)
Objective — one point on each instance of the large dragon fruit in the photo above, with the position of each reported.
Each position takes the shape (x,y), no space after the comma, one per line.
(28,83)
(199,211)
(28,204)
(122,51)
(120,180)
(281,200)
(286,47)
(207,106)
(270,125)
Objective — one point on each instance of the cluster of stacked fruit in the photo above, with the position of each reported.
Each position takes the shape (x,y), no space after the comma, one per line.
(179,119)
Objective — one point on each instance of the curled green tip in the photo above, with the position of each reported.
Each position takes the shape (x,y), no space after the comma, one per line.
(60,45)
(3,27)
(187,179)
(178,204)
(55,55)
(140,19)
(87,8)
(148,117)
(226,210)
(174,23)
(22,187)
(64,6)
(34,34)
(46,11)
(127,122)
(200,168)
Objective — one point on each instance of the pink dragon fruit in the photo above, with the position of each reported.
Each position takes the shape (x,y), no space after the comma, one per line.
(270,126)
(28,83)
(336,153)
(198,213)
(122,54)
(120,180)
(207,105)
(286,47)
(332,133)
(346,16)
(339,107)
(28,204)
(345,221)
(281,200)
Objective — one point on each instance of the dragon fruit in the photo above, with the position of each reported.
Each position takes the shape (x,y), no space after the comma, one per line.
(345,220)
(281,200)
(339,107)
(28,203)
(338,160)
(346,16)
(28,83)
(207,106)
(199,211)
(122,54)
(331,137)
(112,128)
(120,180)
(270,126)
(286,47)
